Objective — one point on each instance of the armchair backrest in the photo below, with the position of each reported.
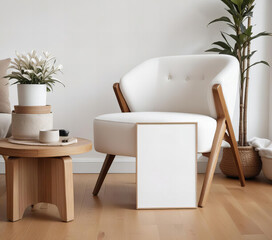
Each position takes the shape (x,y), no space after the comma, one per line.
(181,84)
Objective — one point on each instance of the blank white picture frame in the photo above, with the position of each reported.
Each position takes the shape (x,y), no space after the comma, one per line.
(166,165)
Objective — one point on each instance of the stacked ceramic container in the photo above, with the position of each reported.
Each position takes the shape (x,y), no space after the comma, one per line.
(29,117)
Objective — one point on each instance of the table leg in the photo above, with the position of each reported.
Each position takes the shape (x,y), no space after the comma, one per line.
(61,187)
(33,180)
(21,184)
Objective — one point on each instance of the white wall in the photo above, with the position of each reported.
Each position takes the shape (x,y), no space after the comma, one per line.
(269,57)
(258,113)
(98,41)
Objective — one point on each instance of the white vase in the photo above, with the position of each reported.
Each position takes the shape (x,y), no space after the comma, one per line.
(31,94)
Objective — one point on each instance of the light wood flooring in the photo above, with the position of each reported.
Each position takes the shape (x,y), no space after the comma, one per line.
(231,213)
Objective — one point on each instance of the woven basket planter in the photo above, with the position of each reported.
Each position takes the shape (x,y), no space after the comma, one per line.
(251,162)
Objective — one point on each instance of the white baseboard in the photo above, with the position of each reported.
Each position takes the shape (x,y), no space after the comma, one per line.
(120,165)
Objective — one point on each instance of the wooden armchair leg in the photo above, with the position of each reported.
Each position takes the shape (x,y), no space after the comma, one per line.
(104,170)
(217,141)
(222,112)
(236,155)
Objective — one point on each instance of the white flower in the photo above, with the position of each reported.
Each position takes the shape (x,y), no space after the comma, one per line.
(46,54)
(29,71)
(60,67)
(26,76)
(18,54)
(33,53)
(32,68)
(33,61)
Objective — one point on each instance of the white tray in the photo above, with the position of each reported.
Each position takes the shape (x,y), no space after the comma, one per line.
(35,142)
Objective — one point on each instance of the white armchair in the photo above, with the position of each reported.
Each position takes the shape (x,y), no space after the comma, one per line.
(196,88)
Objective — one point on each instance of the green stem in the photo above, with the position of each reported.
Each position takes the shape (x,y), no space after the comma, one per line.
(246,89)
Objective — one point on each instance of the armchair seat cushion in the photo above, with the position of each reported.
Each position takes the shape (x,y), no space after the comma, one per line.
(116,133)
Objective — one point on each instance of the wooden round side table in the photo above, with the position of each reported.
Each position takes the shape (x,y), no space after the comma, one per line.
(40,174)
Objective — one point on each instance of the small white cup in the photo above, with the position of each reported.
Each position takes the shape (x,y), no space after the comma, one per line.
(49,136)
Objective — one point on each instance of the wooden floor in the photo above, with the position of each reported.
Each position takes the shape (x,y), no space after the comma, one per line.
(231,213)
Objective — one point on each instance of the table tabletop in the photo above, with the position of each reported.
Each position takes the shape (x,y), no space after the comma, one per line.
(18,150)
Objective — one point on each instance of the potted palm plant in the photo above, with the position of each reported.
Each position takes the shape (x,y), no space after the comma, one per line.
(34,75)
(238,44)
